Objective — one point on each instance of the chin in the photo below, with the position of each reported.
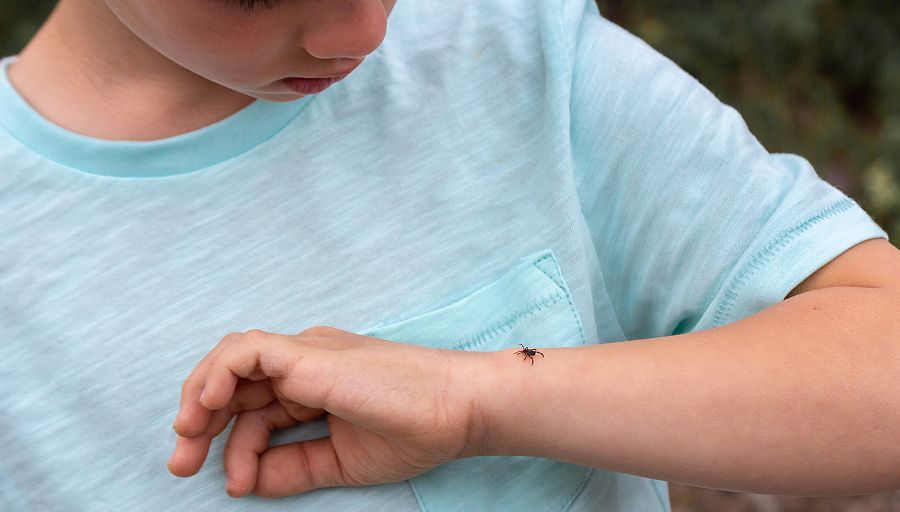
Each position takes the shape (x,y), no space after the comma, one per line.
(289,97)
(281,97)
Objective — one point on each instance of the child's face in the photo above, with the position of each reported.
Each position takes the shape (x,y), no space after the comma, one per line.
(252,51)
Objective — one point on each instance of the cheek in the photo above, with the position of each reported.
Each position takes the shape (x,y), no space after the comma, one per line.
(199,37)
(223,57)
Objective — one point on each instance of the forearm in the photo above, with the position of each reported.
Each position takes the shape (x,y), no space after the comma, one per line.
(802,398)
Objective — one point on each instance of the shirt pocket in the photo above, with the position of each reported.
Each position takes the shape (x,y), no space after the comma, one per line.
(529,304)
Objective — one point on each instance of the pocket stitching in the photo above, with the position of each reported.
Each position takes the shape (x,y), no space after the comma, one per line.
(556,264)
(579,489)
(562,284)
(497,329)
(537,305)
(531,308)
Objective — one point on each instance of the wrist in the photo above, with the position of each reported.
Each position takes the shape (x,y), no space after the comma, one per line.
(473,380)
(515,404)
(482,381)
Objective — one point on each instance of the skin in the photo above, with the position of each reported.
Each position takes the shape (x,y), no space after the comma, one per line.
(397,410)
(175,66)
(798,399)
(394,410)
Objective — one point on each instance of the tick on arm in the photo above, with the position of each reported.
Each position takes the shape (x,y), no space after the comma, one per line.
(529,352)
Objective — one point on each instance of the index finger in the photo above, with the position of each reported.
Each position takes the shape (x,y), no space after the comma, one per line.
(191,452)
(192,418)
(255,353)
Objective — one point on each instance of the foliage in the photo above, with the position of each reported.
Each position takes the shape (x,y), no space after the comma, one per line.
(819,78)
(19,20)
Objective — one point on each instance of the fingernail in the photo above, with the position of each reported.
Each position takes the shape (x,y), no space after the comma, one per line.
(202,394)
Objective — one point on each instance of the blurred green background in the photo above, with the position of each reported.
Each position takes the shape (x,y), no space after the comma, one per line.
(819,78)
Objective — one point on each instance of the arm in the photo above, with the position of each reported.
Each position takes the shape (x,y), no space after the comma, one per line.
(797,399)
(801,398)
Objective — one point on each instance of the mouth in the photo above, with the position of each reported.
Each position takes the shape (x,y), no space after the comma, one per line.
(312,85)
(317,84)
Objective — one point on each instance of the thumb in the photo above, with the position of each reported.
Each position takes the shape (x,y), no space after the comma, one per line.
(287,469)
(299,467)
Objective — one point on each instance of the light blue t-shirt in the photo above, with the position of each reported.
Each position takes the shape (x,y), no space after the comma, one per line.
(495,172)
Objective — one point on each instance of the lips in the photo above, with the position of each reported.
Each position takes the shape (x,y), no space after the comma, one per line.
(311,85)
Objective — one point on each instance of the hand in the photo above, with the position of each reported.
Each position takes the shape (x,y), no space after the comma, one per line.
(394,410)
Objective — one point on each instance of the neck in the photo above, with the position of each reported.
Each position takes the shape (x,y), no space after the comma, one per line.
(86,72)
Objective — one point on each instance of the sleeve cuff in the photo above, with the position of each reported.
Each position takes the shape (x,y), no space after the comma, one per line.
(784,262)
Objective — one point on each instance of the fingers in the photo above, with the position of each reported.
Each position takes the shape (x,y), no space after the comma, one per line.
(300,412)
(194,411)
(248,439)
(193,418)
(234,377)
(188,451)
(299,467)
(243,359)
(253,355)
(191,451)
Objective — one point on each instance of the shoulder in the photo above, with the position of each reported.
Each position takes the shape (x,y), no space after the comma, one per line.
(468,34)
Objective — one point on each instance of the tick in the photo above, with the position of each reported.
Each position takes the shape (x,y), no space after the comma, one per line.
(529,352)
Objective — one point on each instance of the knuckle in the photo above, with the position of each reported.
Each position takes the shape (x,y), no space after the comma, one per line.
(231,338)
(256,334)
(211,365)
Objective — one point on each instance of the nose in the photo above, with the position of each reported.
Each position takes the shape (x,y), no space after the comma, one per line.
(346,29)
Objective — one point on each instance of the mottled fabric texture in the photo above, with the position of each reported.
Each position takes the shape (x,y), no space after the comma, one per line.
(495,173)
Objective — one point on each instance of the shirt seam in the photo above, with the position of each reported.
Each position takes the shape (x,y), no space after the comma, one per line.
(530,309)
(565,291)
(578,490)
(764,255)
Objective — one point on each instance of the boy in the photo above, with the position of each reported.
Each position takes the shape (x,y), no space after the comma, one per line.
(487,174)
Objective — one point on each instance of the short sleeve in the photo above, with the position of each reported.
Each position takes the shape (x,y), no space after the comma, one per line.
(694,222)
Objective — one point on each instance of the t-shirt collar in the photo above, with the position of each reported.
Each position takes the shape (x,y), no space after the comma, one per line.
(180,154)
